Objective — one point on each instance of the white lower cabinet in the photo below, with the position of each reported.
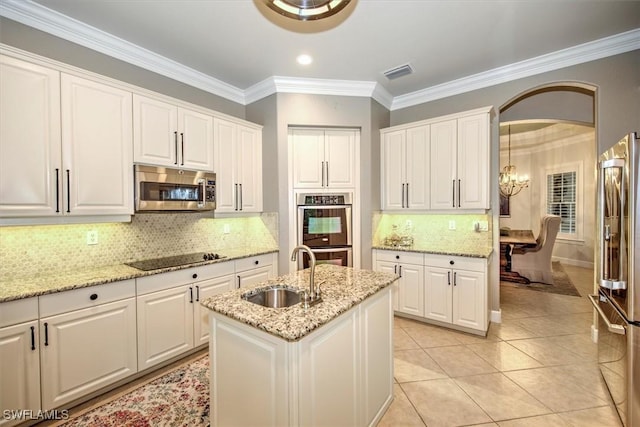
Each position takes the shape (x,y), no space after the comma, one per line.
(339,375)
(256,269)
(446,290)
(410,287)
(87,340)
(170,318)
(20,359)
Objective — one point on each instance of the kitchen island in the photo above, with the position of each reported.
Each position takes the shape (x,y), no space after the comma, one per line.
(329,364)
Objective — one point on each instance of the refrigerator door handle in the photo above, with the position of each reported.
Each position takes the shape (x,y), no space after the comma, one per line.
(612,327)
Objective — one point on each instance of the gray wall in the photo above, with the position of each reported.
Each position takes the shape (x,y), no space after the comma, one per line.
(38,42)
(557,105)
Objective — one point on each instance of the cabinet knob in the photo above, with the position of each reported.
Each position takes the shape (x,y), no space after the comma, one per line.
(93,297)
(195,275)
(452,262)
(257,262)
(397,256)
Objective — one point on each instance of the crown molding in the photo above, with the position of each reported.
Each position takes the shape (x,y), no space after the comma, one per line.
(57,24)
(44,19)
(597,49)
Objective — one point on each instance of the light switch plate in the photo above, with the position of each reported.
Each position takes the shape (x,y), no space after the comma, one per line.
(452,225)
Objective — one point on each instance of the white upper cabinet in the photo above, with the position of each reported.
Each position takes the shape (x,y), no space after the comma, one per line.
(65,144)
(405,160)
(437,164)
(172,136)
(97,173)
(30,141)
(238,167)
(323,158)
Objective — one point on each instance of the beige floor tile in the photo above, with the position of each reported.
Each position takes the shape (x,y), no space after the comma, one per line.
(403,322)
(442,403)
(501,398)
(401,413)
(415,365)
(503,356)
(580,344)
(546,351)
(402,340)
(509,331)
(459,361)
(584,375)
(594,417)
(556,389)
(428,336)
(552,420)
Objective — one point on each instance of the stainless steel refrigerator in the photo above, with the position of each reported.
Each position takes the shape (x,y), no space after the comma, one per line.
(617,274)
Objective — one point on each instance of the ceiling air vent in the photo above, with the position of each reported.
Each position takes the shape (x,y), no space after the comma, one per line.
(398,71)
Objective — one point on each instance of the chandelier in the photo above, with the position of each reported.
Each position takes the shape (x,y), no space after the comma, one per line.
(510,183)
(306,10)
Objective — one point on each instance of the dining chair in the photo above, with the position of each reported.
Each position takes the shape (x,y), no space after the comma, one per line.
(535,263)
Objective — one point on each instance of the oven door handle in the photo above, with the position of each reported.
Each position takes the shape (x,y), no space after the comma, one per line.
(329,250)
(612,327)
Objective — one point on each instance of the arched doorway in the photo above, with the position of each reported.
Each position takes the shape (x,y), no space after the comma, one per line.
(548,134)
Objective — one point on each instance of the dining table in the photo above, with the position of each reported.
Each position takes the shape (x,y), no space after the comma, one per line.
(510,240)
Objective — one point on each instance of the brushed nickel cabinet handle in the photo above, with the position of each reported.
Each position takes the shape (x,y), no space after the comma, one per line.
(46,334)
(407,190)
(182,148)
(175,143)
(448,278)
(459,193)
(33,338)
(403,195)
(68,191)
(57,190)
(453,194)
(240,205)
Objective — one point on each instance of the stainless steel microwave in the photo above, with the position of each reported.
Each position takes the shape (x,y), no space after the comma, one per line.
(160,189)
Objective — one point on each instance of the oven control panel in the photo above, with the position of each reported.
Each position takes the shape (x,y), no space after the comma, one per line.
(324,199)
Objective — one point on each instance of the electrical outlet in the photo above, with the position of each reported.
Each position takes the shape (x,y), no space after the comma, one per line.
(226,229)
(452,225)
(484,225)
(92,237)
(409,223)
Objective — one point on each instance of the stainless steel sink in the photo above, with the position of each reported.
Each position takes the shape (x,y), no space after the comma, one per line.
(277,296)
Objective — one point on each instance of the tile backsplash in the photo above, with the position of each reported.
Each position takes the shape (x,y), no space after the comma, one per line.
(433,229)
(38,250)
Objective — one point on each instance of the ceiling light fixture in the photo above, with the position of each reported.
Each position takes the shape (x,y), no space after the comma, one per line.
(307,10)
(304,59)
(510,183)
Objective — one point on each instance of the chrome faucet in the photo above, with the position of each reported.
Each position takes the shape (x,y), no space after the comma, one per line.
(313,297)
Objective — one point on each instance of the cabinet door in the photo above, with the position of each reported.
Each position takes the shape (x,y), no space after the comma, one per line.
(390,267)
(393,170)
(203,290)
(85,350)
(20,369)
(443,174)
(438,293)
(308,158)
(30,144)
(417,161)
(155,133)
(340,152)
(469,299)
(195,140)
(254,276)
(411,289)
(224,160)
(324,357)
(97,148)
(249,169)
(473,161)
(165,325)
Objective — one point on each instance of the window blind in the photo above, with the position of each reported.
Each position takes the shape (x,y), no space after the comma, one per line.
(561,199)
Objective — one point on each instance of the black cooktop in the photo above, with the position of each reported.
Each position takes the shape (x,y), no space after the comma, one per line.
(174,261)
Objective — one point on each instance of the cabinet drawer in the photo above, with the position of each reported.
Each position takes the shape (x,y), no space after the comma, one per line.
(18,311)
(400,256)
(162,281)
(90,296)
(459,263)
(254,262)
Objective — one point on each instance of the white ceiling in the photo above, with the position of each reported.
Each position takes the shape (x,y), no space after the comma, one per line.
(231,42)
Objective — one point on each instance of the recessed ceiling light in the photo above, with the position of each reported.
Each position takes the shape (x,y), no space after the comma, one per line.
(304,59)
(304,10)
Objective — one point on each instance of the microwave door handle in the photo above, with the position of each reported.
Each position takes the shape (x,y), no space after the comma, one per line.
(203,191)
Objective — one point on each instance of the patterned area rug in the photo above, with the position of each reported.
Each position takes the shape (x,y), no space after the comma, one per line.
(561,283)
(178,398)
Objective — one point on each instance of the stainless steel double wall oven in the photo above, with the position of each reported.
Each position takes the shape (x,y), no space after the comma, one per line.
(325,225)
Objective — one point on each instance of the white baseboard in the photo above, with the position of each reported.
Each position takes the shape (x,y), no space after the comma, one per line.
(594,334)
(496,316)
(569,261)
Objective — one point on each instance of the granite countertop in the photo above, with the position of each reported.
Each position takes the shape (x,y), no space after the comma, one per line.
(443,249)
(25,287)
(342,288)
